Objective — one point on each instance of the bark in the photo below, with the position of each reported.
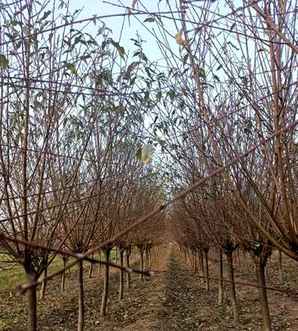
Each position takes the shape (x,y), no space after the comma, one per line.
(260,270)
(81,312)
(202,266)
(207,270)
(121,283)
(232,287)
(99,264)
(220,282)
(141,262)
(32,304)
(103,308)
(44,284)
(128,279)
(63,275)
(280,267)
(91,270)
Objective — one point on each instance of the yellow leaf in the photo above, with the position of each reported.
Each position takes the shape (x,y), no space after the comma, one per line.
(147,152)
(180,39)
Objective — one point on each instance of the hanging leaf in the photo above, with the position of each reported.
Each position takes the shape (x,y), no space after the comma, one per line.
(119,48)
(145,153)
(180,39)
(149,19)
(139,154)
(202,73)
(4,63)
(71,67)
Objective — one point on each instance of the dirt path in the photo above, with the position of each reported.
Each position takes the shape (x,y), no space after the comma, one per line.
(173,299)
(181,296)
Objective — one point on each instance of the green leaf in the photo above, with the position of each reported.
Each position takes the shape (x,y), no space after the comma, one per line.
(149,19)
(139,154)
(119,48)
(4,63)
(71,67)
(202,73)
(145,153)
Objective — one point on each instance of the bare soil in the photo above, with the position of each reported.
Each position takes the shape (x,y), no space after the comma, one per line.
(174,298)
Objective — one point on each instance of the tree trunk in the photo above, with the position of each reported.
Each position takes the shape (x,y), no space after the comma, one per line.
(128,280)
(32,304)
(105,293)
(280,268)
(99,264)
(81,296)
(220,282)
(44,284)
(141,262)
(207,270)
(121,284)
(260,270)
(202,266)
(195,262)
(232,287)
(116,256)
(91,270)
(63,275)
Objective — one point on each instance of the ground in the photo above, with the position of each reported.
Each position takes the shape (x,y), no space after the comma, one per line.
(174,298)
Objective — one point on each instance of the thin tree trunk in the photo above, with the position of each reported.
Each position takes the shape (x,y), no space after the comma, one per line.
(202,266)
(32,305)
(260,270)
(99,264)
(116,256)
(105,293)
(121,284)
(63,275)
(280,267)
(141,262)
(207,269)
(43,284)
(128,279)
(81,296)
(220,282)
(91,270)
(232,287)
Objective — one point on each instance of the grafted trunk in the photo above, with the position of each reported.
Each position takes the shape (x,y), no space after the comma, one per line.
(105,293)
(220,279)
(121,280)
(128,279)
(207,269)
(232,287)
(81,311)
(260,270)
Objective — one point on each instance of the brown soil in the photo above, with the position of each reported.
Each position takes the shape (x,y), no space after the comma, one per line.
(173,299)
